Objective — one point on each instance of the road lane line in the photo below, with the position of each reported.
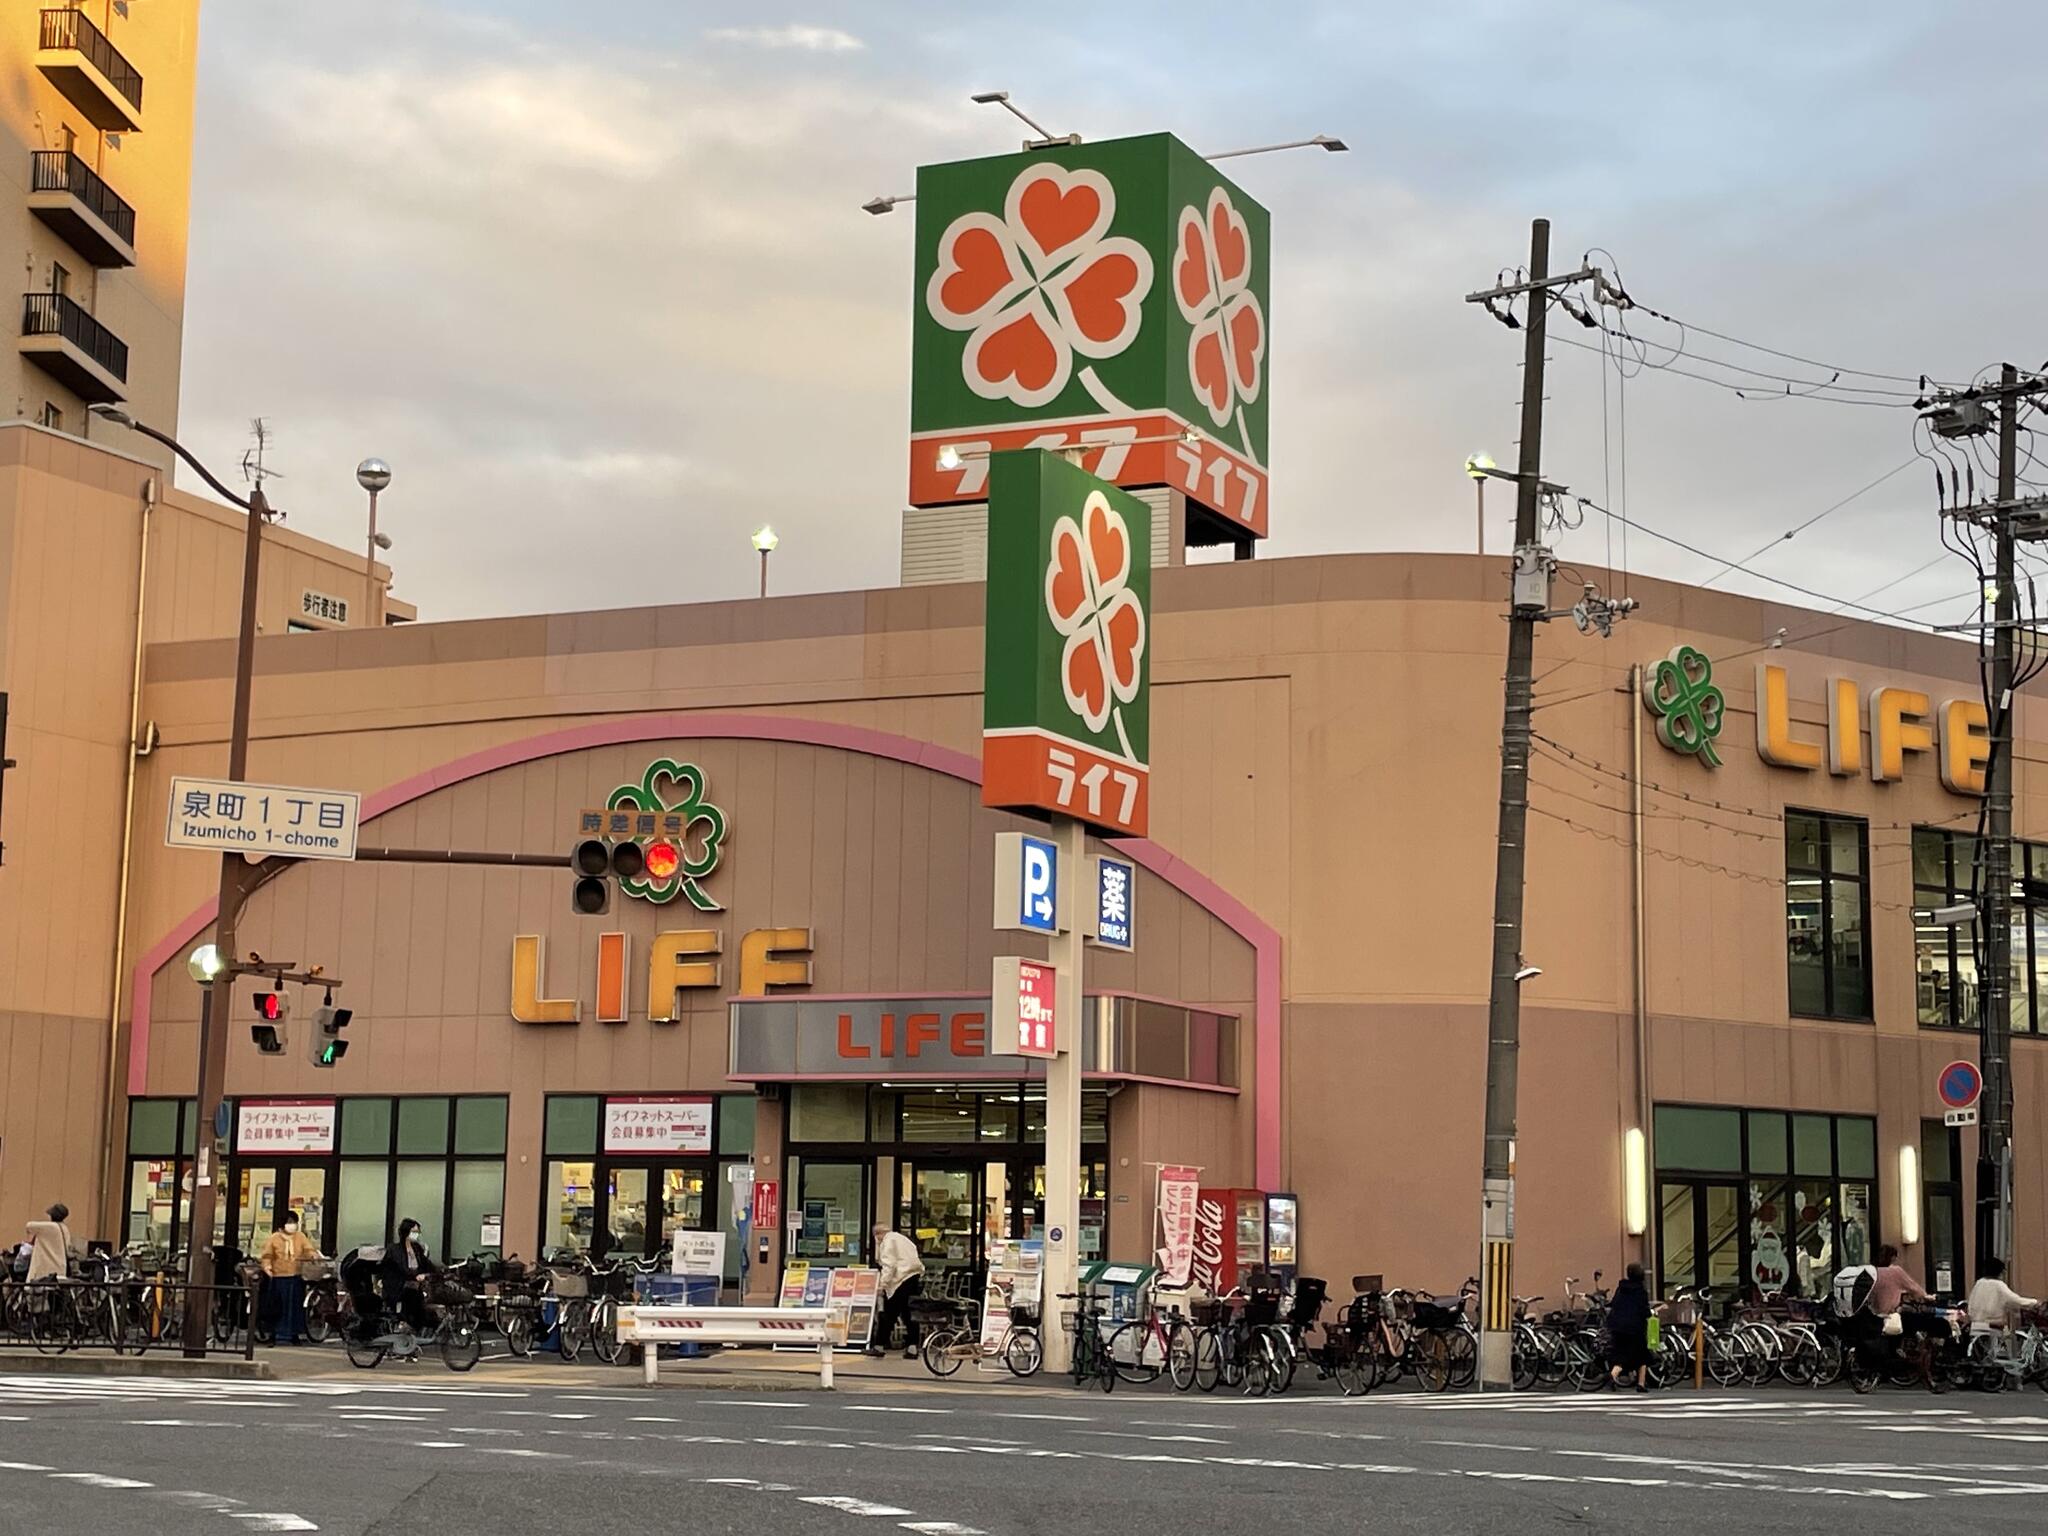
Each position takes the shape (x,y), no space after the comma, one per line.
(851,1506)
(98,1480)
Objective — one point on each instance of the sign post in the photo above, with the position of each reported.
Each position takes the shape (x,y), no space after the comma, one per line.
(1065,731)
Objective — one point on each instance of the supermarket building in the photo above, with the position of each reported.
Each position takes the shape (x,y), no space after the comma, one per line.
(1304,1011)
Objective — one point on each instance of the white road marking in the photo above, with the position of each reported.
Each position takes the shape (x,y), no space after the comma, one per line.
(652,1418)
(98,1480)
(182,1424)
(878,1408)
(852,1506)
(1177,1424)
(22,1466)
(929,1434)
(1124,1434)
(1064,1418)
(940,1528)
(442,1445)
(275,1522)
(749,1402)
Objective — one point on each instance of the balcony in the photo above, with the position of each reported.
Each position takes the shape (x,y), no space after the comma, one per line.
(77,58)
(68,195)
(73,348)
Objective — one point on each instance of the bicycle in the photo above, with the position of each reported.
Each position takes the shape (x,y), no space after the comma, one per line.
(1997,1360)
(1091,1356)
(946,1347)
(1131,1345)
(455,1335)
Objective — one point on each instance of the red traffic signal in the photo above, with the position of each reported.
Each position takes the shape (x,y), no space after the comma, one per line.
(271,1006)
(663,860)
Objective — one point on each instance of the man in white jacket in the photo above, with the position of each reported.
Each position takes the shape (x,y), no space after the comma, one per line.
(902,1280)
(1995,1306)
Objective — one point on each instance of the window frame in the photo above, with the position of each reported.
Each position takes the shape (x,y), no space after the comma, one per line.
(1828,876)
(2028,909)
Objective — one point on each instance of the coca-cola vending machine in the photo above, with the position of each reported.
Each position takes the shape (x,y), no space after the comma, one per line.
(1240,1230)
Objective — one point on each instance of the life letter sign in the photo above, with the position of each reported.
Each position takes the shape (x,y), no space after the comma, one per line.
(680,960)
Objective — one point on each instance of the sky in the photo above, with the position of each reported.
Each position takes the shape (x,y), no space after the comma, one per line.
(596,280)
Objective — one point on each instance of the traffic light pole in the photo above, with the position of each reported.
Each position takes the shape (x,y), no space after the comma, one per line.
(214,1012)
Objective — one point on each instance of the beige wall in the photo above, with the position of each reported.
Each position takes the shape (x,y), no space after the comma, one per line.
(1325,749)
(144,304)
(71,519)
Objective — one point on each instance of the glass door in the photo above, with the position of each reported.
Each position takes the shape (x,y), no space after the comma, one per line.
(942,1215)
(624,1224)
(683,1204)
(263,1191)
(1700,1235)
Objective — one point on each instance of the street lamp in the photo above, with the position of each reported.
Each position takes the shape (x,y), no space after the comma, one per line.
(765,541)
(1478,467)
(215,963)
(372,475)
(1334,145)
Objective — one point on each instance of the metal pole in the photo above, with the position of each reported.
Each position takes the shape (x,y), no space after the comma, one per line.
(764,573)
(1063,1098)
(1479,485)
(213,1032)
(1503,1014)
(370,568)
(1644,1116)
(1994,1136)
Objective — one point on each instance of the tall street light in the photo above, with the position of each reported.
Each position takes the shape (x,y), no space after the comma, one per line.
(1480,467)
(765,541)
(372,475)
(221,966)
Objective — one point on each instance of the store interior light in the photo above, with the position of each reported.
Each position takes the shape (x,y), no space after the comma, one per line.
(1909,1195)
(1635,1201)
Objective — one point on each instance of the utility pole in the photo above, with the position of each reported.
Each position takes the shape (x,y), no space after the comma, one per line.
(1994,1135)
(1533,568)
(6,763)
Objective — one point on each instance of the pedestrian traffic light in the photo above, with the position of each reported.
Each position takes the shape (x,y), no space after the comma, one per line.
(268,1031)
(326,1045)
(593,865)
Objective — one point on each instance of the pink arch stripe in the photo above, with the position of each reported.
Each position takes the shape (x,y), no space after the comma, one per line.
(1204,892)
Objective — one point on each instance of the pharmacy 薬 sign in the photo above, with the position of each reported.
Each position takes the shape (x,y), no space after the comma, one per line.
(1110,297)
(1066,712)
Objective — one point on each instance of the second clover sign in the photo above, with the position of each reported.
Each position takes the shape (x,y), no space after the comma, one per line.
(1066,714)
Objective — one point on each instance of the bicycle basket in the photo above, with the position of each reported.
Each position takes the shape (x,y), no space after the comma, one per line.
(570,1287)
(1262,1309)
(450,1293)
(312,1270)
(1435,1315)
(1024,1316)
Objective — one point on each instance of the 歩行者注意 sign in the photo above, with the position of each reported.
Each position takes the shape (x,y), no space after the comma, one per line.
(1959,1084)
(261,821)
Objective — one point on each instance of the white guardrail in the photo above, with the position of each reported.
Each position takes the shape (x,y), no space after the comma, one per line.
(653,1326)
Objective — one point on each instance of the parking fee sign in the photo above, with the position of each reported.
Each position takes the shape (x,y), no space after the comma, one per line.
(1022,998)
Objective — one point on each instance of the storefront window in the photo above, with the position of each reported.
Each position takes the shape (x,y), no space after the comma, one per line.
(366,1127)
(1945,954)
(571,1216)
(422,1126)
(479,1127)
(831,1200)
(828,1112)
(1768,1228)
(571,1125)
(1942,1221)
(479,1192)
(421,1195)
(365,1203)
(1826,916)
(939,1114)
(999,1117)
(159,1207)
(736,1125)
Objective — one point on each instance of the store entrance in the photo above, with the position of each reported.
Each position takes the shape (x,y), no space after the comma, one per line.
(265,1189)
(642,1203)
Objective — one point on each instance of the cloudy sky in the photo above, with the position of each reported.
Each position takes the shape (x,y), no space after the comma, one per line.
(596,281)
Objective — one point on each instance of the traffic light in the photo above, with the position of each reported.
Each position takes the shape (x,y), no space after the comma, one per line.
(268,1032)
(326,1046)
(593,865)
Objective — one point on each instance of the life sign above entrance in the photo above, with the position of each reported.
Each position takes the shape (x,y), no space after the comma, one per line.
(679,961)
(261,821)
(1681,692)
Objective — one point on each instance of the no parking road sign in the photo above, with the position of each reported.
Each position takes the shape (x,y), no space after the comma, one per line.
(1959,1084)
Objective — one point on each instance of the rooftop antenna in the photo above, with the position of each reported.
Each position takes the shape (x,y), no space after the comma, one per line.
(253,468)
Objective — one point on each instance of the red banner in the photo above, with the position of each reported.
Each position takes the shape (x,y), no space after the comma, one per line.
(1177,1196)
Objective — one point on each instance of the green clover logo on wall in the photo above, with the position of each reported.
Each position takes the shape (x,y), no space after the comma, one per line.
(1681,693)
(697,812)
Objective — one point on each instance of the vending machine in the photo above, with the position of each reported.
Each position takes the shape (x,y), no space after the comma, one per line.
(1240,1230)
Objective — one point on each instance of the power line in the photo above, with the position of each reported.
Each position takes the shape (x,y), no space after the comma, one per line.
(1737,389)
(1798,528)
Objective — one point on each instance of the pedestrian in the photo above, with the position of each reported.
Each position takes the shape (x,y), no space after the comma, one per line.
(902,1268)
(1628,1330)
(284,1290)
(50,1245)
(1995,1306)
(406,1267)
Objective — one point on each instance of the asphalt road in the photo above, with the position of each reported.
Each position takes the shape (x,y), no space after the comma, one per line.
(496,1452)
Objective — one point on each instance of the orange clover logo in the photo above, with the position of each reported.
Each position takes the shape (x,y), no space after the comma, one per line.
(1088,596)
(1042,283)
(1212,274)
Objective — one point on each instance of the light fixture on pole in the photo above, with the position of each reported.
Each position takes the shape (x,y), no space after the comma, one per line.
(765,540)
(215,964)
(881,205)
(1046,139)
(1909,1195)
(1635,1182)
(1478,467)
(1334,145)
(372,475)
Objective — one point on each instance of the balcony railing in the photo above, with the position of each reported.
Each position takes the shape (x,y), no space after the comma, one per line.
(73,30)
(61,170)
(58,314)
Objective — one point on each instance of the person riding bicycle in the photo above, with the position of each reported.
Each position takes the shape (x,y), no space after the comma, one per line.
(392,1269)
(1890,1285)
(1995,1307)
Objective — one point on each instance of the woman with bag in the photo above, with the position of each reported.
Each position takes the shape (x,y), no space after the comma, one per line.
(1628,1330)
(284,1292)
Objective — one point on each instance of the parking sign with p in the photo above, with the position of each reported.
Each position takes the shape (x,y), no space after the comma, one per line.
(1027,883)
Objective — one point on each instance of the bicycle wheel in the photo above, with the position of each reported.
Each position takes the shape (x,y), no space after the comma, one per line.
(937,1352)
(1433,1362)
(1023,1354)
(1180,1355)
(1103,1364)
(1127,1353)
(320,1321)
(1828,1367)
(461,1341)
(1725,1362)
(1588,1371)
(1357,1371)
(1208,1359)
(1800,1362)
(604,1333)
(365,1354)
(1522,1362)
(572,1330)
(1257,1379)
(1861,1367)
(1280,1359)
(517,1327)
(49,1326)
(1463,1346)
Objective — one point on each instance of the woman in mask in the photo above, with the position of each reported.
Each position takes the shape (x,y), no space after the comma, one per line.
(285,1251)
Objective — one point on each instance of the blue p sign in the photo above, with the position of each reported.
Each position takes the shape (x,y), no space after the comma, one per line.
(1038,884)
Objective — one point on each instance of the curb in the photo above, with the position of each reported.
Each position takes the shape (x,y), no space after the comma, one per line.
(166,1365)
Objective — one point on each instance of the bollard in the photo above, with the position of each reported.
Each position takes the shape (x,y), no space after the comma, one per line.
(825,1365)
(1699,1353)
(650,1361)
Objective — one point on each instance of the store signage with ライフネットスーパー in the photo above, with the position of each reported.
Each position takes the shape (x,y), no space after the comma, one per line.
(287,1126)
(1066,709)
(261,821)
(650,1123)
(1107,297)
